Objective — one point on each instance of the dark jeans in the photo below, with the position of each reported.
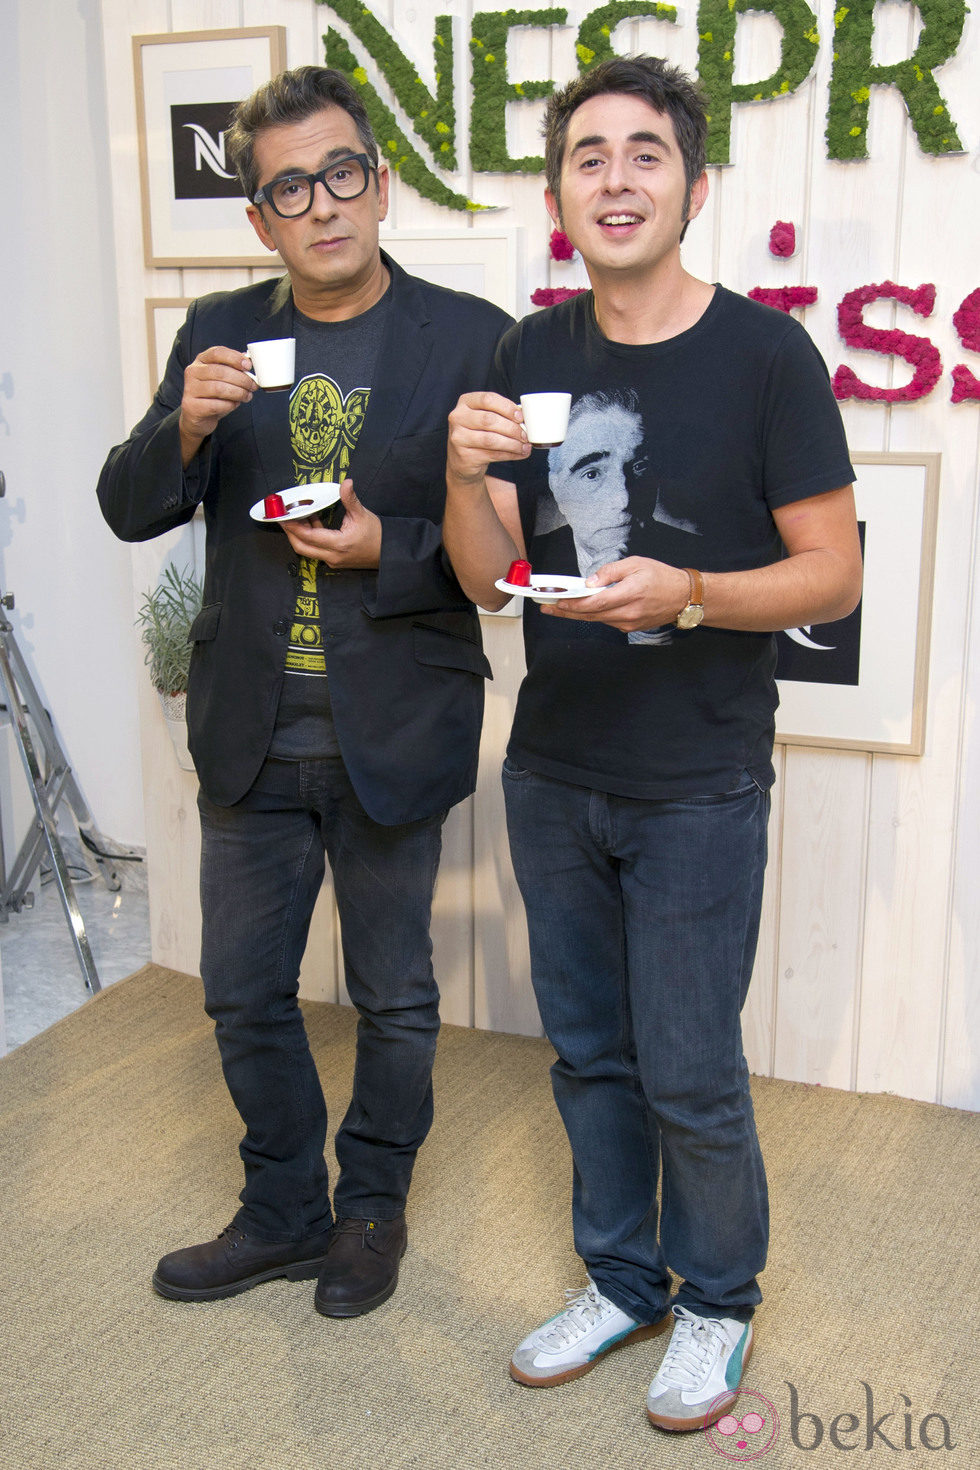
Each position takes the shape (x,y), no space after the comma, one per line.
(643,918)
(262,865)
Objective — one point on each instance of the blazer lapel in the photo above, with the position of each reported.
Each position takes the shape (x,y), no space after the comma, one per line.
(404,355)
(270,411)
(403,358)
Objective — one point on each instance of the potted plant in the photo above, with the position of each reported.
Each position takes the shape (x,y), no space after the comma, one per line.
(165,617)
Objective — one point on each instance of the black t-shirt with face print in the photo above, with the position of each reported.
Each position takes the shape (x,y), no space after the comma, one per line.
(679,451)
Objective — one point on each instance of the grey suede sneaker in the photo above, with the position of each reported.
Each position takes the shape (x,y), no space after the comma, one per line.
(702,1368)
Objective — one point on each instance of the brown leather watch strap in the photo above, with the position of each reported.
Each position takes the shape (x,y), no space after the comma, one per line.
(697,587)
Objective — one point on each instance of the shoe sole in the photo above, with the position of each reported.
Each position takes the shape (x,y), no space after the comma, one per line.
(343,1310)
(704,1421)
(298,1271)
(639,1334)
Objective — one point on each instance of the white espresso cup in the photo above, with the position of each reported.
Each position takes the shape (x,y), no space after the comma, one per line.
(273,362)
(546,417)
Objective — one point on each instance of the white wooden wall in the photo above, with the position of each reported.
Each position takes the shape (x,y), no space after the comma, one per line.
(867,974)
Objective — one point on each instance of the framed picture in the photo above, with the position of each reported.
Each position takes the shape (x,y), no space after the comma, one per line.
(860,683)
(482,262)
(163,319)
(186,86)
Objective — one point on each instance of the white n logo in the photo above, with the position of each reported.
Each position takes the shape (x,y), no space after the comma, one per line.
(208,150)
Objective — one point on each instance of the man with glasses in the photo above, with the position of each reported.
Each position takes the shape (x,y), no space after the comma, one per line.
(336,686)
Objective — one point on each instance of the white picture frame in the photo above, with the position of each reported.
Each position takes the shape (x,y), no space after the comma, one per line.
(181,72)
(164,317)
(897,497)
(483,262)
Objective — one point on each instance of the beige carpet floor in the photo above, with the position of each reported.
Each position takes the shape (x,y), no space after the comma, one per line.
(119,1143)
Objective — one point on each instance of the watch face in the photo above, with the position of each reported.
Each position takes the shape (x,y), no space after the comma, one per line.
(690,616)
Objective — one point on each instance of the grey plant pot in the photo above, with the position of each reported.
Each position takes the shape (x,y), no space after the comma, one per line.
(175,714)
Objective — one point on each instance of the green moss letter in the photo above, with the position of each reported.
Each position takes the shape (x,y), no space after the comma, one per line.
(854,75)
(717,20)
(492,90)
(434,118)
(595,33)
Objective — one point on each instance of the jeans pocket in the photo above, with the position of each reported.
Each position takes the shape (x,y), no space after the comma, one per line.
(511,772)
(746,785)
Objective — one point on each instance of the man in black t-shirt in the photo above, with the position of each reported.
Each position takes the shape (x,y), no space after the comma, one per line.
(336,684)
(704,492)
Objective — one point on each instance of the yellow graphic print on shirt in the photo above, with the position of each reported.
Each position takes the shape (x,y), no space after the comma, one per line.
(323,427)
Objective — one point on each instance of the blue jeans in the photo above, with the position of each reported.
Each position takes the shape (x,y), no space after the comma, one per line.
(262,865)
(643,918)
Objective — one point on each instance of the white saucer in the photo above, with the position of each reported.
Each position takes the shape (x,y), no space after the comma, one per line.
(570,587)
(301,501)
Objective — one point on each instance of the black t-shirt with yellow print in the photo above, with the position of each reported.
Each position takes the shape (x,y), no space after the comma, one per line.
(335,366)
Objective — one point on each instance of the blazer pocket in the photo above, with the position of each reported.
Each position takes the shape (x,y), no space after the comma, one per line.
(417,451)
(205,626)
(444,650)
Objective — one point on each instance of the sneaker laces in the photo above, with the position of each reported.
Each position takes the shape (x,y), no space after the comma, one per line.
(585,1308)
(689,1355)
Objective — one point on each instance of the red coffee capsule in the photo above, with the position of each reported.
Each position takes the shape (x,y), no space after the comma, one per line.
(519,574)
(274,505)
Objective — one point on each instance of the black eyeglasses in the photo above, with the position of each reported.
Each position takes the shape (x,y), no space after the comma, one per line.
(292,195)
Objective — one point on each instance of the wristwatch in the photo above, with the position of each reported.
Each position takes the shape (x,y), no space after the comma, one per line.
(691,615)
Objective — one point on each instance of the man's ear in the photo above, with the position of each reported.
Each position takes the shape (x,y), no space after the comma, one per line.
(552,206)
(699,193)
(384,180)
(258,225)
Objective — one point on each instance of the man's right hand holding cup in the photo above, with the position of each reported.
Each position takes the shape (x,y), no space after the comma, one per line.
(215,383)
(483,428)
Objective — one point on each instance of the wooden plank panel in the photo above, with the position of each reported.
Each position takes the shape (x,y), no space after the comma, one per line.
(452,918)
(205,15)
(959,1081)
(759,1015)
(304,25)
(321,972)
(914,800)
(765,181)
(504,1000)
(823,872)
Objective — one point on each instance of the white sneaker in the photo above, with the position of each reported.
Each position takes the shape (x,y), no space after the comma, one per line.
(701,1371)
(568,1345)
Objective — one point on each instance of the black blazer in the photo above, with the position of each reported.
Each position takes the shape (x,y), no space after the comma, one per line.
(402,642)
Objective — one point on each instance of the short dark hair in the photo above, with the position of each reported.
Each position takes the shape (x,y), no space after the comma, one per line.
(291,97)
(666,88)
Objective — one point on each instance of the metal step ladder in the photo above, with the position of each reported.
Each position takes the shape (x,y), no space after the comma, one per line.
(52,784)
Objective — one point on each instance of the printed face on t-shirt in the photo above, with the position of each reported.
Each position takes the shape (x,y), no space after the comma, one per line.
(587,477)
(594,477)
